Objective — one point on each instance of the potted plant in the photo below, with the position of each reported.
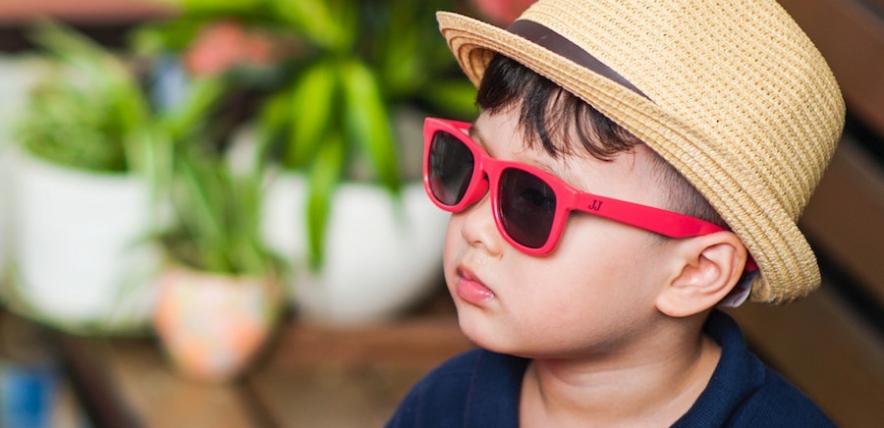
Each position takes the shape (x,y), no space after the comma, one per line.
(361,249)
(347,207)
(220,292)
(82,207)
(341,119)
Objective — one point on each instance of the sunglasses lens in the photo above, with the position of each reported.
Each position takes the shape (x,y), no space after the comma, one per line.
(527,207)
(450,168)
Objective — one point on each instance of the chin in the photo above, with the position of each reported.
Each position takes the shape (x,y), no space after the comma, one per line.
(482,332)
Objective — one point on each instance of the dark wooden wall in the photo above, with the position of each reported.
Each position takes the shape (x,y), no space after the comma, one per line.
(832,343)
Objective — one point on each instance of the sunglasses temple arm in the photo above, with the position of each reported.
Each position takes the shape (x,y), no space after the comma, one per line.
(663,222)
(657,220)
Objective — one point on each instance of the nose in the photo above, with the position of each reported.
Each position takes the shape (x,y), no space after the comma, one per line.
(478,227)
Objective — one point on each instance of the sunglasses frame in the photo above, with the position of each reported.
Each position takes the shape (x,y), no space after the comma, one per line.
(568,198)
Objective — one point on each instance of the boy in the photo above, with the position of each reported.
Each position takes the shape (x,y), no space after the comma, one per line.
(636,164)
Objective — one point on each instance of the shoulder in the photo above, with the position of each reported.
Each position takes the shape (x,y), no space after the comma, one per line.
(440,395)
(744,392)
(778,403)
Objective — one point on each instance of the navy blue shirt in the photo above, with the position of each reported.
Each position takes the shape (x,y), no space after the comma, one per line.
(482,389)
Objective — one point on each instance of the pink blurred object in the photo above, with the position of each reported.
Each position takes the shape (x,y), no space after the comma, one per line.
(213,325)
(502,12)
(226,44)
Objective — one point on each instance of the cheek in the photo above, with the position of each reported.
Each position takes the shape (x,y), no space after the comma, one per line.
(453,242)
(591,290)
(624,263)
(456,247)
(611,253)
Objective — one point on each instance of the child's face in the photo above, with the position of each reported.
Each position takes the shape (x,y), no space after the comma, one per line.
(595,289)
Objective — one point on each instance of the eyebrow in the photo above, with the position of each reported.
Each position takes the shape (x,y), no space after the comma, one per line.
(476,135)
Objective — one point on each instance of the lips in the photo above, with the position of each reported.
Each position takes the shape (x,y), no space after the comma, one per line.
(470,288)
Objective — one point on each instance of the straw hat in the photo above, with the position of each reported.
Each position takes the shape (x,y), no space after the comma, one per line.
(731,93)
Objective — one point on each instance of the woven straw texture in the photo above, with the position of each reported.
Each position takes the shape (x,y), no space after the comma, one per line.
(741,103)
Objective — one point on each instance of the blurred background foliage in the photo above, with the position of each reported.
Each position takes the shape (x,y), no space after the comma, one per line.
(87,113)
(203,111)
(320,80)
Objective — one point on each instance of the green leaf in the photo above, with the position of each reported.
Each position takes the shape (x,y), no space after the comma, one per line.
(400,53)
(201,213)
(274,114)
(323,177)
(273,122)
(453,97)
(164,37)
(217,214)
(71,47)
(312,105)
(219,7)
(368,122)
(403,69)
(155,163)
(249,249)
(203,97)
(328,24)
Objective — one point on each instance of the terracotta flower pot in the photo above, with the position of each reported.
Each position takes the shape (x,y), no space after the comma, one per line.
(213,325)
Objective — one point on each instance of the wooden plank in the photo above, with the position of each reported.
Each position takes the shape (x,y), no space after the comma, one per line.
(420,342)
(845,217)
(336,377)
(333,394)
(66,412)
(876,6)
(98,394)
(83,11)
(162,398)
(820,345)
(851,38)
(311,376)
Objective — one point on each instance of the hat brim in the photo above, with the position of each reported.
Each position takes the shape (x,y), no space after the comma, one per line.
(787,265)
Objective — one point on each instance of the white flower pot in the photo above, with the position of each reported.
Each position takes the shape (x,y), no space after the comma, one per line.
(6,190)
(82,254)
(17,76)
(376,263)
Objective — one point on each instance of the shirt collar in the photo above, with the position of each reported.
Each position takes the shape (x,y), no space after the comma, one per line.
(495,388)
(738,374)
(493,397)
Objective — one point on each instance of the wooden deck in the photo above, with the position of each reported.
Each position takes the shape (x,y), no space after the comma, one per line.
(310,376)
(334,377)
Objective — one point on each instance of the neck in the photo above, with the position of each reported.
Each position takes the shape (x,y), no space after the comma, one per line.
(646,382)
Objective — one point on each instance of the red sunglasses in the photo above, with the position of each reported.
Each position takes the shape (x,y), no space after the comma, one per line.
(530,206)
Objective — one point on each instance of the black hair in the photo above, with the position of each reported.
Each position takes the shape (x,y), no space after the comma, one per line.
(547,113)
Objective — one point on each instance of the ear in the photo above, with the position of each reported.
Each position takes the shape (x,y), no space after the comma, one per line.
(704,270)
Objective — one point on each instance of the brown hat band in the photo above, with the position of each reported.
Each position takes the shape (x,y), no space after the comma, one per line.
(555,42)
